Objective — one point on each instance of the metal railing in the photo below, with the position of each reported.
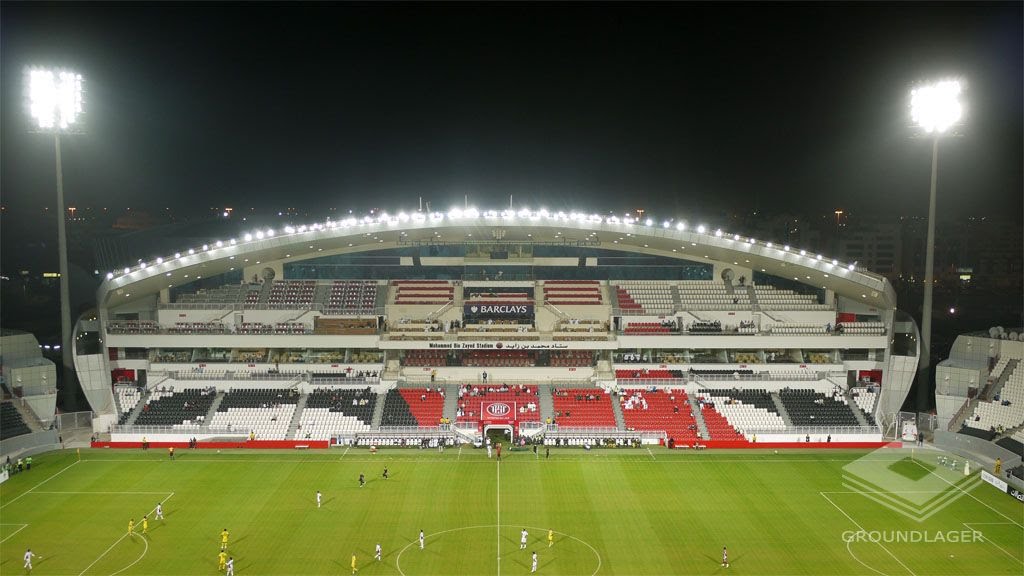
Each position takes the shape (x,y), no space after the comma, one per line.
(74,420)
(176,429)
(229,375)
(816,430)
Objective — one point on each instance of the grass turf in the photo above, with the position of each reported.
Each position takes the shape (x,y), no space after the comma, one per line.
(614,512)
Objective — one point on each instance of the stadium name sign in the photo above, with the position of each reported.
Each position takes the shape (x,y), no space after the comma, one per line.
(499,309)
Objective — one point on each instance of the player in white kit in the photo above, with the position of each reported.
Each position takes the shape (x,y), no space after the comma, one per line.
(421,539)
(28,558)
(488,447)
(377,552)
(725,557)
(522,539)
(231,567)
(319,497)
(159,511)
(533,567)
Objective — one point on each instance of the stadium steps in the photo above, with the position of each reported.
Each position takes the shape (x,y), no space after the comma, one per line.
(451,402)
(137,410)
(782,409)
(702,426)
(677,301)
(293,426)
(213,408)
(857,412)
(755,306)
(28,416)
(378,411)
(620,418)
(547,404)
(320,294)
(997,386)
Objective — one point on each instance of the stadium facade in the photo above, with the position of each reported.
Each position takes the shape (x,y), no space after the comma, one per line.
(681,332)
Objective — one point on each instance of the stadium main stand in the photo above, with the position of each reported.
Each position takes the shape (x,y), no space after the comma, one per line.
(266,412)
(660,409)
(175,408)
(331,411)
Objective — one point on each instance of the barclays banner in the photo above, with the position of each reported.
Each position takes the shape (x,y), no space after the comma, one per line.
(498,310)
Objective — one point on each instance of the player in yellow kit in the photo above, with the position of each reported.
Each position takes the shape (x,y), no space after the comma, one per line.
(131,526)
(222,560)
(354,564)
(551,538)
(224,539)
(145,525)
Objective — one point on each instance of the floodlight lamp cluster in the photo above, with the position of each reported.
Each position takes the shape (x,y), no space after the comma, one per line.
(463,215)
(936,107)
(54,98)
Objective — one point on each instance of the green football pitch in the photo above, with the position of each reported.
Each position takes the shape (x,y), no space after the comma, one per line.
(632,511)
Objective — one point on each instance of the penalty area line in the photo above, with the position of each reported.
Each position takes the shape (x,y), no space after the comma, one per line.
(970,526)
(118,541)
(9,536)
(861,528)
(19,496)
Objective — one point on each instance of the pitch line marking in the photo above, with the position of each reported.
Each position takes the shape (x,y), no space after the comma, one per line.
(861,528)
(969,494)
(9,536)
(116,493)
(118,541)
(398,558)
(652,454)
(19,496)
(854,556)
(985,538)
(498,494)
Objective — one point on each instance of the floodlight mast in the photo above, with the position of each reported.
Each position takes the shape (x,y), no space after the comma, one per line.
(934,108)
(55,100)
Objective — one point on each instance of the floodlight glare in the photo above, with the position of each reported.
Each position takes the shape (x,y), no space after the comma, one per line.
(55,98)
(935,108)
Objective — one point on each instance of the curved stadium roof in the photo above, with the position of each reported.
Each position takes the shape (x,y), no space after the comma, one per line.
(353,235)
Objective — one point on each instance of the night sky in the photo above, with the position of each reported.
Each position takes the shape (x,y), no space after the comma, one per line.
(672,108)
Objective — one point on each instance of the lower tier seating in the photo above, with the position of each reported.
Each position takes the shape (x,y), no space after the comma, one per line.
(11,423)
(412,407)
(659,374)
(331,411)
(810,408)
(667,410)
(176,408)
(747,409)
(265,412)
(583,407)
(523,398)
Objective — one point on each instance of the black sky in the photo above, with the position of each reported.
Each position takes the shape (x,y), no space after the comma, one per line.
(683,107)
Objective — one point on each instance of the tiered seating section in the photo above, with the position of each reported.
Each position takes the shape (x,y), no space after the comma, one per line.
(287,294)
(198,328)
(709,295)
(181,407)
(866,399)
(498,358)
(667,410)
(225,296)
(583,407)
(718,425)
(797,328)
(645,373)
(412,407)
(1007,411)
(352,297)
(772,298)
(569,358)
(330,411)
(425,358)
(810,408)
(266,412)
(746,409)
(647,329)
(705,327)
(11,423)
(423,292)
(255,328)
(291,328)
(645,297)
(861,328)
(572,292)
(523,398)
(127,398)
(133,327)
